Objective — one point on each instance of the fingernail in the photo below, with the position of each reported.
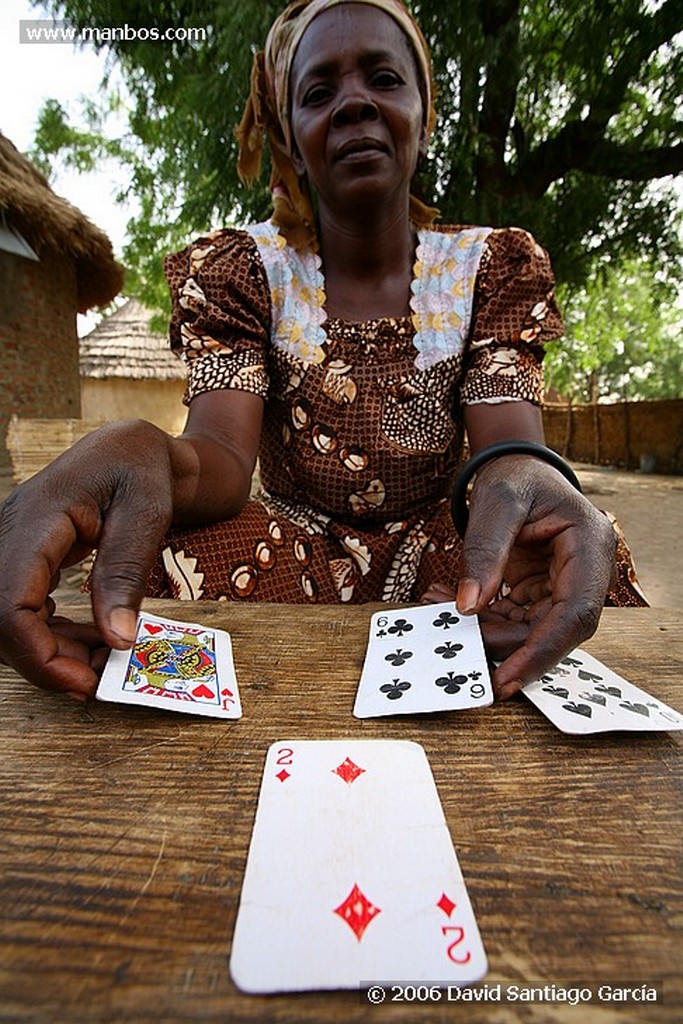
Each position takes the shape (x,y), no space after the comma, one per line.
(468,595)
(509,689)
(123,622)
(81,697)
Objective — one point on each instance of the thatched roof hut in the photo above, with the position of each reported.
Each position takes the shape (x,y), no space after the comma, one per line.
(127,371)
(122,345)
(46,221)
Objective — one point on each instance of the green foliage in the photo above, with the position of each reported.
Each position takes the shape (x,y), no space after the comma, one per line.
(554,115)
(54,135)
(557,115)
(623,338)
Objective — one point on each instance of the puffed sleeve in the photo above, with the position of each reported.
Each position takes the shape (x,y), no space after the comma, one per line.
(514,314)
(220,321)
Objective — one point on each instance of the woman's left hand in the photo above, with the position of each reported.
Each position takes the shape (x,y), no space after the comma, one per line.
(528,527)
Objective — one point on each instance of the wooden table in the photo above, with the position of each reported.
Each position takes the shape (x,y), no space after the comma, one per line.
(125,833)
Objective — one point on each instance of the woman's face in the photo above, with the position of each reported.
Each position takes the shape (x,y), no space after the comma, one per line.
(357,114)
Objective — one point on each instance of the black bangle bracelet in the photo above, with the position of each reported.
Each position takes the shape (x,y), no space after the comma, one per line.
(459,509)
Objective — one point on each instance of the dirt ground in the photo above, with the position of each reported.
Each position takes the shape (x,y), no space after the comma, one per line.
(650,510)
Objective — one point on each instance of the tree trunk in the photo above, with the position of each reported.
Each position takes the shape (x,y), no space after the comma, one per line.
(568,430)
(597,447)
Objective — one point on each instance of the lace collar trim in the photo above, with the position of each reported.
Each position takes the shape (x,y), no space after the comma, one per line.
(442,290)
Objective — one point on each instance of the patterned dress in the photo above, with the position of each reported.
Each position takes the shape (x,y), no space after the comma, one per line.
(363,421)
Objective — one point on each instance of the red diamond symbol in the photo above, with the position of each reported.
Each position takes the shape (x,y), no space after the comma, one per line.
(284,774)
(448,906)
(357,911)
(348,771)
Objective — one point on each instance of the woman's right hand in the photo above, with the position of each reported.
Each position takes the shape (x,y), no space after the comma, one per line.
(113,490)
(531,529)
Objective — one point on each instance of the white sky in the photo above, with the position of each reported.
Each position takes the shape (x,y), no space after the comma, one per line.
(32,73)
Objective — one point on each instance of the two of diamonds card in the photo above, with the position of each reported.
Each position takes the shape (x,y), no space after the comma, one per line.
(351,876)
(581,695)
(429,658)
(178,666)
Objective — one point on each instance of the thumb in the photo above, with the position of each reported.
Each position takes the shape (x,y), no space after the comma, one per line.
(131,535)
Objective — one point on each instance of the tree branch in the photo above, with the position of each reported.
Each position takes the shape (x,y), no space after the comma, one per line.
(578,146)
(627,163)
(654,30)
(581,145)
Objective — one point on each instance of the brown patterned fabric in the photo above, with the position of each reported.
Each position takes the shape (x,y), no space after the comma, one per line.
(358,450)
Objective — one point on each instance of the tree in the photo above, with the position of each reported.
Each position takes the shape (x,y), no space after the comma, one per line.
(623,339)
(554,114)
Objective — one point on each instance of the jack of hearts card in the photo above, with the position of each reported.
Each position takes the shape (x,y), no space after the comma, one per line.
(178,666)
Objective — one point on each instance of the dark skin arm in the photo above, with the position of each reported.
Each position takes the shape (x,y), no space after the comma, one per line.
(120,489)
(117,490)
(529,527)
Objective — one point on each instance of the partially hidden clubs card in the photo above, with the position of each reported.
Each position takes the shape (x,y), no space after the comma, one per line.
(581,695)
(177,666)
(429,658)
(351,876)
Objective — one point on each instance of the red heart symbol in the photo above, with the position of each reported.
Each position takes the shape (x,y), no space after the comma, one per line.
(227,693)
(202,691)
(153,629)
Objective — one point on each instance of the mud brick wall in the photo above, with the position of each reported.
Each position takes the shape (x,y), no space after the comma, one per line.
(119,398)
(645,436)
(38,340)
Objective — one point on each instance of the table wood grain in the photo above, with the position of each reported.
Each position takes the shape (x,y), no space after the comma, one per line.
(125,833)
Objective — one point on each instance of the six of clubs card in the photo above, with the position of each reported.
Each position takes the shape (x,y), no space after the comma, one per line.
(351,875)
(178,666)
(429,658)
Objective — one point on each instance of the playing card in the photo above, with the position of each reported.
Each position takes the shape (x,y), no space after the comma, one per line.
(179,666)
(429,658)
(351,876)
(581,695)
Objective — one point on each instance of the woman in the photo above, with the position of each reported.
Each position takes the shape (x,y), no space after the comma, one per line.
(349,343)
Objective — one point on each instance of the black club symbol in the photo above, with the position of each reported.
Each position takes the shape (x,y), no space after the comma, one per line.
(448,650)
(446,619)
(400,627)
(398,657)
(451,683)
(394,689)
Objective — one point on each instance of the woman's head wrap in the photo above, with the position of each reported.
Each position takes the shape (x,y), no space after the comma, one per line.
(268,112)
